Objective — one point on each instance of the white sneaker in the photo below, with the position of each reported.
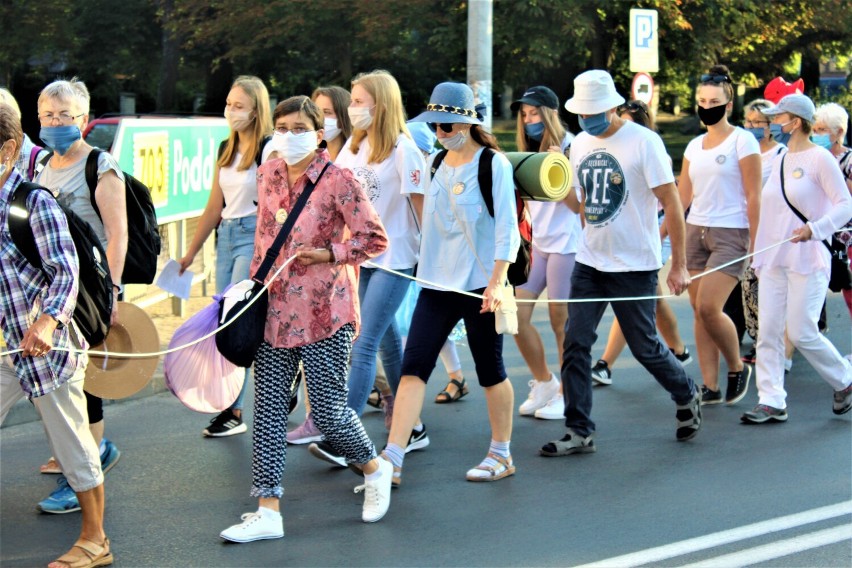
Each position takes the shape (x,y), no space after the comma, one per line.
(260,525)
(377,493)
(540,394)
(553,410)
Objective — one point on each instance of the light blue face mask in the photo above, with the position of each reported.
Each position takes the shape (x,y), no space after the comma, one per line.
(759,133)
(535,130)
(60,138)
(595,124)
(823,140)
(777,132)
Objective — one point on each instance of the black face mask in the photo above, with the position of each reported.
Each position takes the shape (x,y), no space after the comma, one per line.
(712,115)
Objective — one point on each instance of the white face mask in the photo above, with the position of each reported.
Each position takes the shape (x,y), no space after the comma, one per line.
(360,117)
(294,147)
(331,129)
(454,142)
(238,120)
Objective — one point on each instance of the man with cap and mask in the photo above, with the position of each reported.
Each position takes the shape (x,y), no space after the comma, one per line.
(621,170)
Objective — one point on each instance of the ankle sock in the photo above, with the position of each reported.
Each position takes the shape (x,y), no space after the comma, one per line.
(499,448)
(370,477)
(102,446)
(395,453)
(418,428)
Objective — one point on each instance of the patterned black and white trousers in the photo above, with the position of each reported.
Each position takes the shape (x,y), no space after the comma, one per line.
(326,364)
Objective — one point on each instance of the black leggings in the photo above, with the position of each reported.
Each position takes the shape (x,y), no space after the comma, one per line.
(95,408)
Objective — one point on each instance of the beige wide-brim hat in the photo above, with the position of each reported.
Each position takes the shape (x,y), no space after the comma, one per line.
(119,377)
(594,93)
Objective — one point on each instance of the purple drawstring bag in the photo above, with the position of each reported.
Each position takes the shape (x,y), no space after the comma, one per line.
(199,376)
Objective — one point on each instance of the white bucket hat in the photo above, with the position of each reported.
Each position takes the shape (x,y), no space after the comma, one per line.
(594,93)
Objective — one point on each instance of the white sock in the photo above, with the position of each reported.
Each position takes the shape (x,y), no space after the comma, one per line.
(419,427)
(102,445)
(371,477)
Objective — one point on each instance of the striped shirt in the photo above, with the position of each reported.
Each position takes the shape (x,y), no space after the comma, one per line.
(26,294)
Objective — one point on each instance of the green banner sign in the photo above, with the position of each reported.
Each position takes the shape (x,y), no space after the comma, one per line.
(174,157)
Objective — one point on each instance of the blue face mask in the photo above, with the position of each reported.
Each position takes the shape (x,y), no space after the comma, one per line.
(777,132)
(823,140)
(60,138)
(759,133)
(534,130)
(595,124)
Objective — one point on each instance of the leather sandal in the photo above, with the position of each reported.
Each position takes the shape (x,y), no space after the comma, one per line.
(91,555)
(52,466)
(503,468)
(445,397)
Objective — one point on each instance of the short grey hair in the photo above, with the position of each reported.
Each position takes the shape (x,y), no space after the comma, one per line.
(833,115)
(758,105)
(73,90)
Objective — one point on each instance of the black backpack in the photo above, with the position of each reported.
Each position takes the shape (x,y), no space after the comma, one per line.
(519,270)
(94,298)
(143,232)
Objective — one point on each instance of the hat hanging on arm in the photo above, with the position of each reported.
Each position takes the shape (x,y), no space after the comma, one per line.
(119,377)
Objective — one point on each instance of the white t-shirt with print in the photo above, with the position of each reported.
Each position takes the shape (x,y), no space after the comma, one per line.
(615,177)
(388,185)
(717,183)
(556,229)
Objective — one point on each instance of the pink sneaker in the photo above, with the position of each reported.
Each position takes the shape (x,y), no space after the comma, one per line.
(387,409)
(305,433)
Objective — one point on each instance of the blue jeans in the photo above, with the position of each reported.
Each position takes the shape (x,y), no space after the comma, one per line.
(638,322)
(380,293)
(234,250)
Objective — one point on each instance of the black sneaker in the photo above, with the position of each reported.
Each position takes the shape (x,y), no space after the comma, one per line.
(418,440)
(601,375)
(226,424)
(689,418)
(709,396)
(685,358)
(750,356)
(325,452)
(737,385)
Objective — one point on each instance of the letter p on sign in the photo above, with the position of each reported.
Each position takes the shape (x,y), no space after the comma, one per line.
(644,53)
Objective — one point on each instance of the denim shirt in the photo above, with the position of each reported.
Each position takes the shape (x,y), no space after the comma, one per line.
(452,221)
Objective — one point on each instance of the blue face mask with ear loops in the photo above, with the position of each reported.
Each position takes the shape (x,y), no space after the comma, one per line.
(535,130)
(595,124)
(758,133)
(60,138)
(823,140)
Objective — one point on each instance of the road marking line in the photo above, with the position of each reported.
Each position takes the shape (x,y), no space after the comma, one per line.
(724,537)
(778,549)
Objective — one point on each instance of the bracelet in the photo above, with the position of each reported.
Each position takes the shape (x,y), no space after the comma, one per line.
(332,260)
(118,287)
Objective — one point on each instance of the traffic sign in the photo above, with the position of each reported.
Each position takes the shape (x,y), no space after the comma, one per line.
(644,41)
(643,88)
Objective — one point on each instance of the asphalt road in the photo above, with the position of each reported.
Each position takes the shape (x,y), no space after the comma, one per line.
(772,495)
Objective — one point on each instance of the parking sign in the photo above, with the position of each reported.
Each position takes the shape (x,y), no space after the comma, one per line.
(644,44)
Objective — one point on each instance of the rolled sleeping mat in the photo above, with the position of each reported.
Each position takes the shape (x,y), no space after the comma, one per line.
(541,176)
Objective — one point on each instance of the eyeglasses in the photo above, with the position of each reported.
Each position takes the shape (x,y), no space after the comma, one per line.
(714,78)
(631,107)
(63,117)
(447,128)
(755,123)
(297,130)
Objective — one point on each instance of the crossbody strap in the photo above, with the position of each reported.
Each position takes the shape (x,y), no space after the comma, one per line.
(790,205)
(275,249)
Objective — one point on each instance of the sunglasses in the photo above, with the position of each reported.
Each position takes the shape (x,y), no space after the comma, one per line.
(632,107)
(713,78)
(447,128)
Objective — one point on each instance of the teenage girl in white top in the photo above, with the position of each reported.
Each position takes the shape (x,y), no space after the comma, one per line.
(720,179)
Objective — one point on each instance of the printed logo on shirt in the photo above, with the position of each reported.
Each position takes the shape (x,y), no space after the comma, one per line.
(369,181)
(603,186)
(414,176)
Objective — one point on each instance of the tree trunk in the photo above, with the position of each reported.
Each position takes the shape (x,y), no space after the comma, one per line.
(169,64)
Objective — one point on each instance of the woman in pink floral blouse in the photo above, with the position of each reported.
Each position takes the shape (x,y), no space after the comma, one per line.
(313,313)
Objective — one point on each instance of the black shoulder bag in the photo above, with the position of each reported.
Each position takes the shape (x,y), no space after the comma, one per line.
(240,340)
(841,276)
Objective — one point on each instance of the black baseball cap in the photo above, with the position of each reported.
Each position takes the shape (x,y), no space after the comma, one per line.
(539,96)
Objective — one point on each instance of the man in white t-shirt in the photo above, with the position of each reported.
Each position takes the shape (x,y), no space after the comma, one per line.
(621,171)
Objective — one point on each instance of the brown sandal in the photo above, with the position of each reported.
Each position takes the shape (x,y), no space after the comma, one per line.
(52,466)
(92,555)
(445,397)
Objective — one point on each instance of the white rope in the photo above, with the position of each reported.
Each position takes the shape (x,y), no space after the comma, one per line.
(179,347)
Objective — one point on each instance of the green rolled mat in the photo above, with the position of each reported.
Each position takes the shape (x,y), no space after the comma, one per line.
(541,176)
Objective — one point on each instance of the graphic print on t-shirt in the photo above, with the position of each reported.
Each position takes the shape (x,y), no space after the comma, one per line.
(368,180)
(603,186)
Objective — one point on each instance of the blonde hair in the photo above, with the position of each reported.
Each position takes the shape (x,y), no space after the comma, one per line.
(7,99)
(388,120)
(71,90)
(261,127)
(554,131)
